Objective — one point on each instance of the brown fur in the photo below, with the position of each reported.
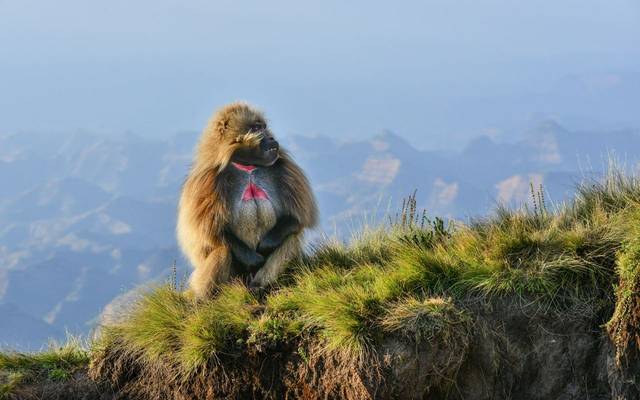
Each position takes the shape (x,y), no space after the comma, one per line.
(203,212)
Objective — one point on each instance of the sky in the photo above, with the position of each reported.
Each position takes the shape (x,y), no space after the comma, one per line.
(436,71)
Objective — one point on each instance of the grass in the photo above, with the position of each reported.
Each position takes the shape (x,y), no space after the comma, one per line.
(9,381)
(425,320)
(57,363)
(167,325)
(415,278)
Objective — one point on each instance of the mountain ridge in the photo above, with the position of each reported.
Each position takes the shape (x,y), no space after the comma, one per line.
(105,207)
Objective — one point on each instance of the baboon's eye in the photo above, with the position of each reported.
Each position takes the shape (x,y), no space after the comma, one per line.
(258,126)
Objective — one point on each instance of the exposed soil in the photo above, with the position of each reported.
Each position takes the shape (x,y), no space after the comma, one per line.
(78,387)
(514,350)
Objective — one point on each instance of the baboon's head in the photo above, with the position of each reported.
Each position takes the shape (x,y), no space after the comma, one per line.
(244,130)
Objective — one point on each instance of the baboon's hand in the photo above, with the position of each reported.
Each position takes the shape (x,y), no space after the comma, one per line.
(251,259)
(268,244)
(246,256)
(284,228)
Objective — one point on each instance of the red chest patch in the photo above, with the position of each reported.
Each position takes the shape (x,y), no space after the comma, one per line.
(252,191)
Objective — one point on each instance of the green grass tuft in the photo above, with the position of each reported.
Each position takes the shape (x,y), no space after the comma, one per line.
(156,323)
(65,358)
(214,325)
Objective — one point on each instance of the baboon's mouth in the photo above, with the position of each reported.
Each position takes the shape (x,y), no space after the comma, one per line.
(273,151)
(273,155)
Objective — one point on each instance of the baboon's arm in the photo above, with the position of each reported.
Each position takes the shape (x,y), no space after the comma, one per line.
(246,256)
(285,227)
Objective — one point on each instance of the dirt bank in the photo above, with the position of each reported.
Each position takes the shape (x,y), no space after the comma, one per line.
(510,349)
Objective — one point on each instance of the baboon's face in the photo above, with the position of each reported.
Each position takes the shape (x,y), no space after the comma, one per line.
(263,152)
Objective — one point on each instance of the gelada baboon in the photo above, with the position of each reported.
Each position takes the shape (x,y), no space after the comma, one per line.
(244,204)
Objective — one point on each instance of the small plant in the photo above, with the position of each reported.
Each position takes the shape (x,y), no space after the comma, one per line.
(174,276)
(409,216)
(538,201)
(415,227)
(303,354)
(175,283)
(58,374)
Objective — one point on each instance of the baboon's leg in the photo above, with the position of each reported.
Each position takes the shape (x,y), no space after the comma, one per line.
(215,268)
(277,261)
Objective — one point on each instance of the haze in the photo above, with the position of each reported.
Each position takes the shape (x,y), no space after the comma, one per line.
(435,72)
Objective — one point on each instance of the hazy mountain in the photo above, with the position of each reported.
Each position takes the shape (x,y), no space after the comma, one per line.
(84,219)
(20,329)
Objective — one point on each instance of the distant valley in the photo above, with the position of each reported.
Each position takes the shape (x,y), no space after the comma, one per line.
(84,218)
